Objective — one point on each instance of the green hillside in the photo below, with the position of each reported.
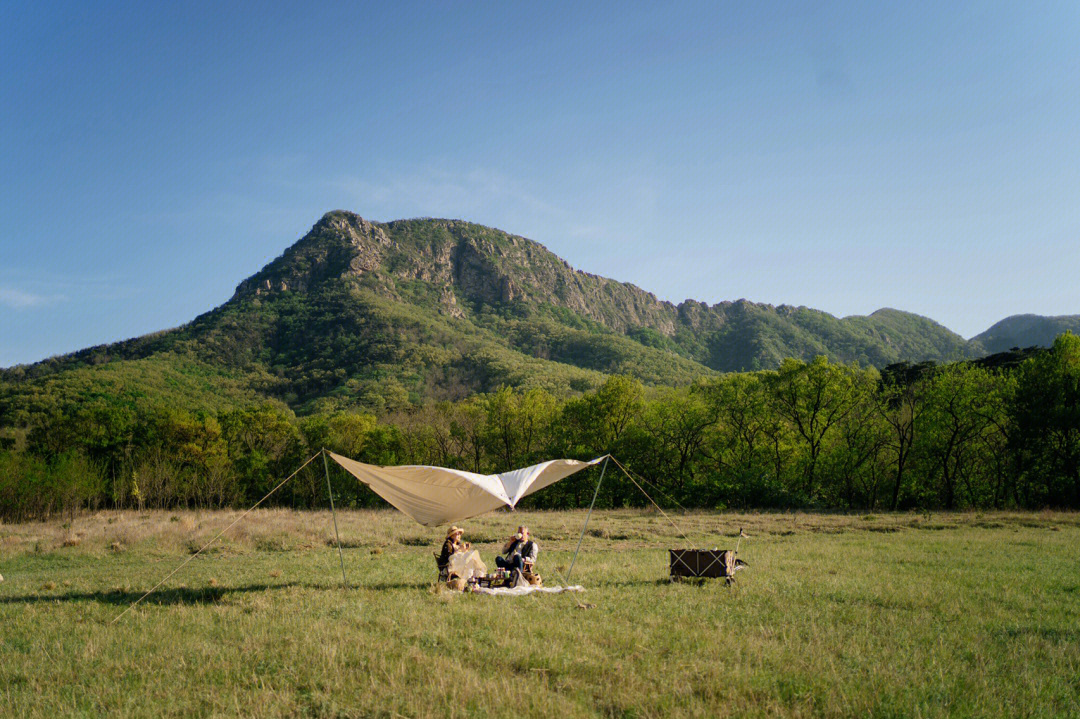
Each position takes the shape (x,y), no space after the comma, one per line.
(1026,331)
(382,315)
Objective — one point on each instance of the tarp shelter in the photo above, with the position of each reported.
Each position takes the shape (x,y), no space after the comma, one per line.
(430,495)
(438,495)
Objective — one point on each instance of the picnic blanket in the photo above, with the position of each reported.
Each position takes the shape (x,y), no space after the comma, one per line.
(525,589)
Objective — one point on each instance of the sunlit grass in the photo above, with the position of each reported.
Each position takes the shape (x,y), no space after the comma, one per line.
(887,615)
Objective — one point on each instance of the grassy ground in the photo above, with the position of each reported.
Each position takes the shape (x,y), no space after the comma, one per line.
(888,615)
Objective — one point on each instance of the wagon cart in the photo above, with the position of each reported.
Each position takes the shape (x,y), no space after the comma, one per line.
(716,563)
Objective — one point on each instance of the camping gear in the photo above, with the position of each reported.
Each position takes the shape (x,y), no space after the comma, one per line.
(714,563)
(437,495)
(502,578)
(499,579)
(443,569)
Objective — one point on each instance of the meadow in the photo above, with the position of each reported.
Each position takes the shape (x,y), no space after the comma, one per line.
(889,615)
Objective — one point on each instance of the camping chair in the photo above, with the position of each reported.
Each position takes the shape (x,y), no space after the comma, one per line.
(444,569)
(530,576)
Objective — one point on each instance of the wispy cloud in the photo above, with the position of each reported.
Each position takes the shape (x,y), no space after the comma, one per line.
(20,299)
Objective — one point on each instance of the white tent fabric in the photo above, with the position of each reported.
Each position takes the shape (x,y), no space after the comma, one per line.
(438,495)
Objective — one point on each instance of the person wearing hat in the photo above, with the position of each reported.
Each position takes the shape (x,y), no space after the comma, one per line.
(452,544)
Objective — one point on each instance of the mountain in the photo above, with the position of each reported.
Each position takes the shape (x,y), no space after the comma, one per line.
(1026,331)
(380,315)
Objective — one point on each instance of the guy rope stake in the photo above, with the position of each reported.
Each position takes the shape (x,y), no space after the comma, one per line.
(333,511)
(602,470)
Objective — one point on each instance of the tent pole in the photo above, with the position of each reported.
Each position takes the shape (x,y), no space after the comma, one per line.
(591,504)
(337,537)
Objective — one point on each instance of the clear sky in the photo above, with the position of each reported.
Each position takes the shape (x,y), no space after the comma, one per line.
(846,157)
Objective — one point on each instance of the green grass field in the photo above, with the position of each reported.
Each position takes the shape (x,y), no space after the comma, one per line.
(891,615)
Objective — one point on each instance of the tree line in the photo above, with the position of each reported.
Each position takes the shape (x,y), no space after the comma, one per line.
(807,435)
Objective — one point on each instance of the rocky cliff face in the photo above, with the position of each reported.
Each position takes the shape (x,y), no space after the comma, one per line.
(465,269)
(477,264)
(339,244)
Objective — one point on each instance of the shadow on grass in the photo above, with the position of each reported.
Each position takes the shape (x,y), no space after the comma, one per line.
(623,582)
(383,586)
(662,582)
(196,595)
(179,595)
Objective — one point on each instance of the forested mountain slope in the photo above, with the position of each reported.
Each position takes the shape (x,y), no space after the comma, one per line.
(380,315)
(1026,331)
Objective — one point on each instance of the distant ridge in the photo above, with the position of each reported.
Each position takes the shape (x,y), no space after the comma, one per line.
(380,315)
(1026,331)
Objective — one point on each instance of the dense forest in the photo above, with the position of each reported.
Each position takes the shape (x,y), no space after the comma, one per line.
(817,434)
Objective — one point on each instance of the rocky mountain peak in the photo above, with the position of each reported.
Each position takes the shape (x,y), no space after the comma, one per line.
(468,271)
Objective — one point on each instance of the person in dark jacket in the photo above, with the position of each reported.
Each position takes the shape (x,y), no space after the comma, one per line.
(519,550)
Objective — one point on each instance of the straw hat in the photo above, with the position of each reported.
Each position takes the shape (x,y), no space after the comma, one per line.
(454,530)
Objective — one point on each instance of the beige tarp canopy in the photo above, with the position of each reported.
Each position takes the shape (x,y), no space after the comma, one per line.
(437,495)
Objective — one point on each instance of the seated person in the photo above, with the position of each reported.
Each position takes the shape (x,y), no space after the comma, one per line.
(452,545)
(520,551)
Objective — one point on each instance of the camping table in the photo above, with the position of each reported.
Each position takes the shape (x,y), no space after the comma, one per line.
(491,581)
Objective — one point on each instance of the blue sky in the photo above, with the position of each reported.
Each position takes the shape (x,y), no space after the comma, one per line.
(845,157)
